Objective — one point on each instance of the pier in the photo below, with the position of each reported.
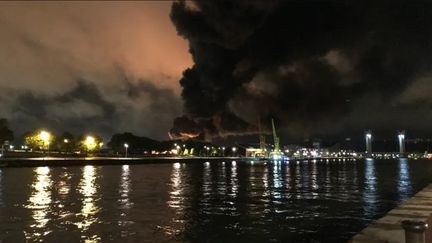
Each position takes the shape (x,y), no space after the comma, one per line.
(390,228)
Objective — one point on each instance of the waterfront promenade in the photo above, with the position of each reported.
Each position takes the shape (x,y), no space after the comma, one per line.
(388,229)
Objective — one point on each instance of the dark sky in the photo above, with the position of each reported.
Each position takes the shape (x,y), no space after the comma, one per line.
(321,68)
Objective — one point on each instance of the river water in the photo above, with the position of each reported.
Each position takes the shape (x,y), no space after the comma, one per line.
(217,201)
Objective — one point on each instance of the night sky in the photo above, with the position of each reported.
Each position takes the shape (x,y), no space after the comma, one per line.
(328,69)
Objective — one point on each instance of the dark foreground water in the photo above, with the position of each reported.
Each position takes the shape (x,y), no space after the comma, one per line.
(321,201)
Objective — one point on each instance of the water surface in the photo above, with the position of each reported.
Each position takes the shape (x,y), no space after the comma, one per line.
(218,201)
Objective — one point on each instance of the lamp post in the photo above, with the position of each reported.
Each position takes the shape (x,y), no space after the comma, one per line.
(401,138)
(234,149)
(126,149)
(368,137)
(178,148)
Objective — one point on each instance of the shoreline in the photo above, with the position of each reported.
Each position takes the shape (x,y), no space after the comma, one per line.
(80,161)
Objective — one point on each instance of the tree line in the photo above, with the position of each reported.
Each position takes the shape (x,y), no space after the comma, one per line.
(43,140)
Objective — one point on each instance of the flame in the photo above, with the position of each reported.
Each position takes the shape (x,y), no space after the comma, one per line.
(182,135)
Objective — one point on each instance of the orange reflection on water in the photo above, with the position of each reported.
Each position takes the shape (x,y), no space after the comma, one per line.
(39,202)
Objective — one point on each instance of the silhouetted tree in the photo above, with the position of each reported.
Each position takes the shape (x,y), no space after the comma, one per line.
(6,134)
(35,140)
(66,142)
(135,143)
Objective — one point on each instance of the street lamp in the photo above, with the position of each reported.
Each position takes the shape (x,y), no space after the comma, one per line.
(208,153)
(401,137)
(45,137)
(234,149)
(126,148)
(90,143)
(368,142)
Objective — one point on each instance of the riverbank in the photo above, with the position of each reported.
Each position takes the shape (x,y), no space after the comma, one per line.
(389,228)
(79,161)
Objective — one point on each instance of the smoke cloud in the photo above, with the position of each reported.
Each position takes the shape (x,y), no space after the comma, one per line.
(320,68)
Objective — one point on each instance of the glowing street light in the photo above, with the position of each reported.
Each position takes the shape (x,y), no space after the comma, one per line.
(45,137)
(90,143)
(234,149)
(65,140)
(126,148)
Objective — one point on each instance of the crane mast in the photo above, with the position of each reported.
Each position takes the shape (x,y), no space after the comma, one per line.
(276,153)
(261,140)
(275,139)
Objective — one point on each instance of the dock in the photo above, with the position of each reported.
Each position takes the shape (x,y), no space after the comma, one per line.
(388,229)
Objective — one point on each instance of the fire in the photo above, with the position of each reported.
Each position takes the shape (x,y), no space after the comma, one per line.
(182,135)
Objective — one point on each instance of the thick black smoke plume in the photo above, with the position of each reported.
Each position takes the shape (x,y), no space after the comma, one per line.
(303,62)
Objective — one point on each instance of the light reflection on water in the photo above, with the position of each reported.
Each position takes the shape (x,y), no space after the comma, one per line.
(234,180)
(88,189)
(39,203)
(404,185)
(1,188)
(125,188)
(370,192)
(176,192)
(125,203)
(221,201)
